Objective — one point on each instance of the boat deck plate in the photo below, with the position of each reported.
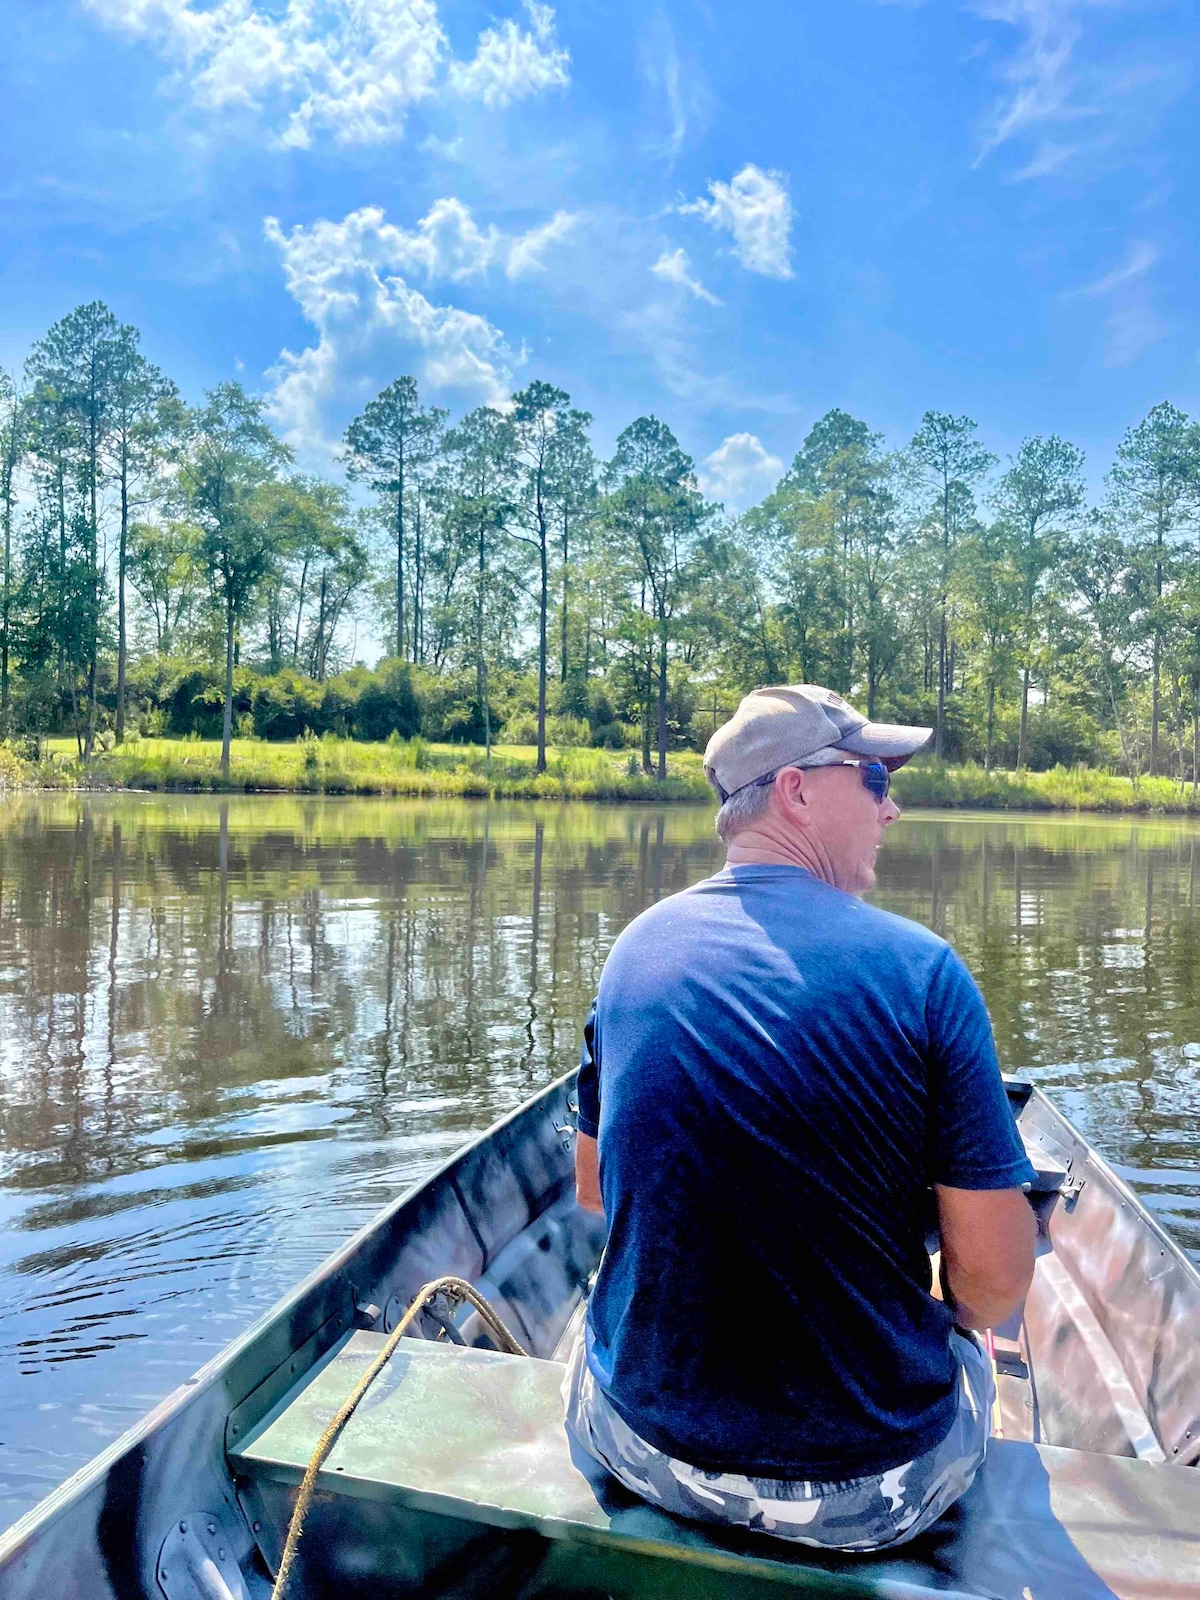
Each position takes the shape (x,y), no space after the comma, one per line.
(452,1445)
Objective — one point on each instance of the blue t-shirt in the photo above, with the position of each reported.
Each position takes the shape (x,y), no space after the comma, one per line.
(780,1073)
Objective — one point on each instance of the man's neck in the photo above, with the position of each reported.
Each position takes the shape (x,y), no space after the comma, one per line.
(766,846)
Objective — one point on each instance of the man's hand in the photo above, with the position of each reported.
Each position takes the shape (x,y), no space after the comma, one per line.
(587,1174)
(988,1238)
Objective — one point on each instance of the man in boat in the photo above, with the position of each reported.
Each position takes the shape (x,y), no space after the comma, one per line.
(776,1076)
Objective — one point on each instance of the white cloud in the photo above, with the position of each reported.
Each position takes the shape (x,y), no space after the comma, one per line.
(509,64)
(739,471)
(675,267)
(756,209)
(353,68)
(448,243)
(348,278)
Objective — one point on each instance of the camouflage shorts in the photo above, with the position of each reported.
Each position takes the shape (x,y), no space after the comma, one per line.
(857,1514)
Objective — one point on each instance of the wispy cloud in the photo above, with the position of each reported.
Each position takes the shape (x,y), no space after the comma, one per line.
(739,471)
(664,331)
(351,281)
(351,68)
(756,209)
(678,88)
(1066,94)
(1129,332)
(1140,258)
(1132,325)
(674,267)
(1039,76)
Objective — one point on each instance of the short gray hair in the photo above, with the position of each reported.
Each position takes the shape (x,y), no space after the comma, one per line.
(744,807)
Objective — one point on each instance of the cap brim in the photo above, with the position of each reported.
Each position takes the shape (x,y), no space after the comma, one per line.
(886,741)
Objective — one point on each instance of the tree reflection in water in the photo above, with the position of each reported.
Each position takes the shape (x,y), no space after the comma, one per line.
(231,1029)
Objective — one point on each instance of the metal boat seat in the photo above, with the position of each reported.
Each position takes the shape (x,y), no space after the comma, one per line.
(455,1477)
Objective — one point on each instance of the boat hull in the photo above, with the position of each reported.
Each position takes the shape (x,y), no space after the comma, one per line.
(1107,1346)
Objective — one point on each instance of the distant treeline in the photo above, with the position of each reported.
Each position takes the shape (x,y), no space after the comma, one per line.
(165,570)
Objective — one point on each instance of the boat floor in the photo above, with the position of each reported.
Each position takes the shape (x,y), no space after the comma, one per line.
(456,1477)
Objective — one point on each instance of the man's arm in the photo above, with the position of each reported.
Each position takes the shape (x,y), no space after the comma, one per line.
(587,1174)
(988,1238)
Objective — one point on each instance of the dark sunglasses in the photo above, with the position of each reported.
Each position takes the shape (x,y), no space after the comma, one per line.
(877,780)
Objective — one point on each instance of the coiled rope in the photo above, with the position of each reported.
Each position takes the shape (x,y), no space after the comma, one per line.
(457,1288)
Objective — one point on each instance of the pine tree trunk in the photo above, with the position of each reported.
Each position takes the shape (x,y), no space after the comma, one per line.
(943,628)
(543,606)
(1024,720)
(418,585)
(5,615)
(1154,692)
(61,618)
(662,697)
(991,723)
(75,715)
(299,612)
(121,561)
(94,586)
(90,739)
(227,716)
(319,646)
(941,689)
(647,699)
(400,568)
(562,667)
(481,683)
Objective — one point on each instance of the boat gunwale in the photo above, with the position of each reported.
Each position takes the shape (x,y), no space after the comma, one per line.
(1124,1192)
(86,1478)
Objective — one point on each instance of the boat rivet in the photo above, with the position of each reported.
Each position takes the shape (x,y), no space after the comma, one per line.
(183,1527)
(220,1555)
(212,1527)
(258,1527)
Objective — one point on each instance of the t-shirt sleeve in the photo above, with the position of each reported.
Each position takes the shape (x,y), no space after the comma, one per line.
(587,1119)
(975,1142)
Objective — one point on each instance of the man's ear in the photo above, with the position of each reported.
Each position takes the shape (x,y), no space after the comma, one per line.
(790,790)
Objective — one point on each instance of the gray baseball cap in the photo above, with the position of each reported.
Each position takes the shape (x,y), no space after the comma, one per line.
(800,725)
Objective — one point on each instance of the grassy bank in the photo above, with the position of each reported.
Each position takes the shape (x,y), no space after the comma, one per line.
(343,766)
(1060,789)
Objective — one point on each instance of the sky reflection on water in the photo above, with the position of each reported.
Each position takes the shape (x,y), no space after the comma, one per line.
(231,1030)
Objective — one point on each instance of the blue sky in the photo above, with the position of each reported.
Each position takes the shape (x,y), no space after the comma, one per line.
(733,216)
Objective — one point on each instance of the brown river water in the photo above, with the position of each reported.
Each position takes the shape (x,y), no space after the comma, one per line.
(231,1030)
